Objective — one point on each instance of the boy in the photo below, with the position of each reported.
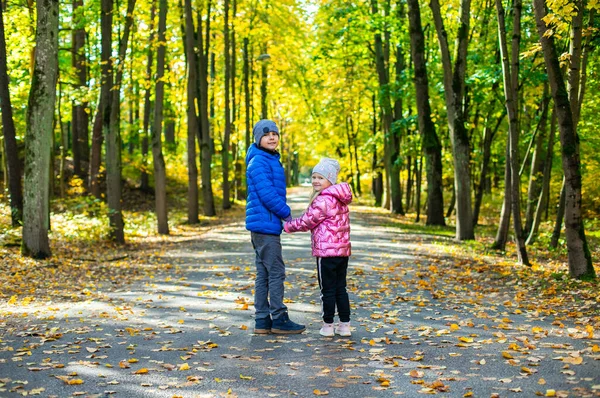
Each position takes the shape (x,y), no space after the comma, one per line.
(265,209)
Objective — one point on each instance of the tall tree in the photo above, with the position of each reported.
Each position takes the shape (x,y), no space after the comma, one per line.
(112,132)
(79,119)
(203,44)
(510,72)
(535,185)
(264,82)
(102,118)
(545,184)
(580,259)
(430,141)
(454,88)
(38,135)
(144,178)
(192,116)
(227,133)
(393,199)
(10,136)
(160,176)
(246,71)
(377,180)
(489,133)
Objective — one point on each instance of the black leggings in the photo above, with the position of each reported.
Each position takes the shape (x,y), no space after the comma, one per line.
(332,281)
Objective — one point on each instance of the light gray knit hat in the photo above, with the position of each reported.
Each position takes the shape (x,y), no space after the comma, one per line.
(328,168)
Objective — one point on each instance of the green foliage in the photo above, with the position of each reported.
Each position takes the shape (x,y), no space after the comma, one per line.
(321,84)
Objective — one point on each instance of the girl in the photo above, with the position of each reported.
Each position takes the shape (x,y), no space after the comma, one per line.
(327,217)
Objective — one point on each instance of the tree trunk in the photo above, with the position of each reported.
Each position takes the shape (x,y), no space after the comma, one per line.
(160,177)
(247,92)
(39,131)
(535,186)
(393,198)
(238,162)
(113,132)
(488,138)
(560,216)
(510,76)
(264,109)
(545,184)
(97,140)
(192,116)
(144,178)
(452,203)
(454,83)
(80,119)
(587,49)
(504,224)
(396,134)
(227,133)
(10,137)
(418,189)
(358,172)
(377,180)
(429,138)
(205,140)
(63,146)
(580,259)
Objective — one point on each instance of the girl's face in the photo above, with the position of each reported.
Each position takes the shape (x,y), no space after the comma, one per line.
(319,182)
(270,141)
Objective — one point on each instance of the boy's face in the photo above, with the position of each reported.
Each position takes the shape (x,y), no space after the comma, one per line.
(319,182)
(270,141)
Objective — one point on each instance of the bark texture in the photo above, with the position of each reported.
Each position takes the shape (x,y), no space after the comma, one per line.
(580,259)
(454,88)
(38,135)
(430,141)
(160,176)
(10,137)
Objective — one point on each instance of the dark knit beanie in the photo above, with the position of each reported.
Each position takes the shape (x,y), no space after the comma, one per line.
(263,127)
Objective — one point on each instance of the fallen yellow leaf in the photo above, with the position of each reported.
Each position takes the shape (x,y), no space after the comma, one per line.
(184,366)
(590,331)
(573,360)
(141,371)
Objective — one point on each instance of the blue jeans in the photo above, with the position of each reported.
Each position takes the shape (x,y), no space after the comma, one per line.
(270,275)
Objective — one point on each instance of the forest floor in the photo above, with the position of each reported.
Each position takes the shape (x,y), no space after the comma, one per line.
(172,316)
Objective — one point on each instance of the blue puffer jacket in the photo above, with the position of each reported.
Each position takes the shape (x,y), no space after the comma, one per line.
(265,203)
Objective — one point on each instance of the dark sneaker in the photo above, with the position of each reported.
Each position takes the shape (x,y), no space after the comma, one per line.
(263,326)
(283,325)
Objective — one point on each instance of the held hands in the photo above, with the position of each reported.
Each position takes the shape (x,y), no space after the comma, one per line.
(285,221)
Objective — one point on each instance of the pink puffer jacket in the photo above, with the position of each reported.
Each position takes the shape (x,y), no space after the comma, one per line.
(328,220)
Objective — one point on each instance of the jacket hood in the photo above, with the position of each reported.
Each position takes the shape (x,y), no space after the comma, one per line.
(254,151)
(341,192)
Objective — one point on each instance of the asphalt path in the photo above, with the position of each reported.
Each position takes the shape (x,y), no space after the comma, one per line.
(187,332)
